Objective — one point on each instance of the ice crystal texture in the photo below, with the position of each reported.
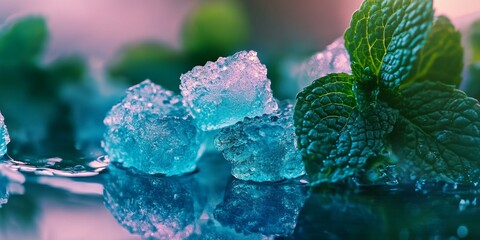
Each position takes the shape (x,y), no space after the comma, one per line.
(152,207)
(262,148)
(222,93)
(269,209)
(334,59)
(151,131)
(5,138)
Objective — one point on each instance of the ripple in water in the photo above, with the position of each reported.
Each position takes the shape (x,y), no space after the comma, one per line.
(55,166)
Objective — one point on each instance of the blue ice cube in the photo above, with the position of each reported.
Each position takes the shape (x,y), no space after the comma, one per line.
(151,206)
(270,209)
(334,59)
(151,131)
(5,138)
(222,93)
(262,148)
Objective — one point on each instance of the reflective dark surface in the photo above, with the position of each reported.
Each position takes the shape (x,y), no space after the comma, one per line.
(210,204)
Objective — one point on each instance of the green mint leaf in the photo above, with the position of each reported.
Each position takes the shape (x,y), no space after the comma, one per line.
(23,41)
(441,59)
(385,37)
(472,87)
(334,137)
(437,135)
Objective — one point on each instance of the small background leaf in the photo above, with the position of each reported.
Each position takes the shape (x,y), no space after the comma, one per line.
(441,59)
(475,40)
(23,41)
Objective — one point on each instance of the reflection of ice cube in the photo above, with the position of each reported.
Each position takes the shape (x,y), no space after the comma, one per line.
(211,230)
(3,190)
(151,131)
(269,209)
(222,93)
(4,138)
(334,59)
(152,207)
(262,148)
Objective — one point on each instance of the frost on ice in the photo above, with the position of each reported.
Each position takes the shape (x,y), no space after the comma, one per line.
(151,131)
(263,148)
(224,92)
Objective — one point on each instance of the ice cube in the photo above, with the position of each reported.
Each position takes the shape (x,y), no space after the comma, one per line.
(222,93)
(151,206)
(270,209)
(151,131)
(263,148)
(5,138)
(334,59)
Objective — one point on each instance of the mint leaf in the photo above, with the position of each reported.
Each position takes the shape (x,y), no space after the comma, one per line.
(441,59)
(23,41)
(385,37)
(335,138)
(437,135)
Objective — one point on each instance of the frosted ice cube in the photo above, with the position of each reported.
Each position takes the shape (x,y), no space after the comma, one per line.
(222,93)
(5,138)
(151,131)
(263,148)
(270,209)
(334,59)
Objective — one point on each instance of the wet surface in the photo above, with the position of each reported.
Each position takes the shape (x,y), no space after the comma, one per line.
(210,204)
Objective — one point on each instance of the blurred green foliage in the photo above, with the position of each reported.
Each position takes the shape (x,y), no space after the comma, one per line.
(214,29)
(149,60)
(475,40)
(23,41)
(473,71)
(30,90)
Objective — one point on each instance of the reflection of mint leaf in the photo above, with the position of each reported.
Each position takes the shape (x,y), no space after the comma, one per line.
(442,57)
(438,132)
(334,137)
(23,41)
(385,36)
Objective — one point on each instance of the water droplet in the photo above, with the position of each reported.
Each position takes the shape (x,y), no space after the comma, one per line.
(462,231)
